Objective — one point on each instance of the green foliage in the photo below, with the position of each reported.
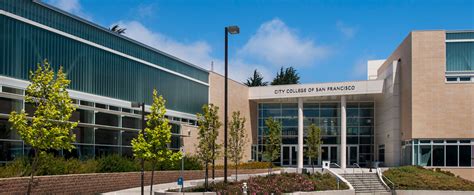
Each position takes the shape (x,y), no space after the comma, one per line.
(51,165)
(49,127)
(209,125)
(207,148)
(237,139)
(419,178)
(313,142)
(247,165)
(48,165)
(273,140)
(116,163)
(153,145)
(256,80)
(288,76)
(326,182)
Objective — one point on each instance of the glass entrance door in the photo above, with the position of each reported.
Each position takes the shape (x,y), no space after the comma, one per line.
(330,153)
(352,155)
(289,155)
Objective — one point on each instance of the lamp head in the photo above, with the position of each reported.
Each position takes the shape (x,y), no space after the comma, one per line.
(233,29)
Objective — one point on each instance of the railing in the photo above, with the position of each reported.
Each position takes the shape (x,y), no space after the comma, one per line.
(336,176)
(363,175)
(392,186)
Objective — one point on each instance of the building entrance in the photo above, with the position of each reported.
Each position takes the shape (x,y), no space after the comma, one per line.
(330,153)
(352,155)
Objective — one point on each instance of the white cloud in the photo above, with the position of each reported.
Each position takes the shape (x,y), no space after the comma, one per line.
(71,6)
(348,32)
(198,52)
(277,44)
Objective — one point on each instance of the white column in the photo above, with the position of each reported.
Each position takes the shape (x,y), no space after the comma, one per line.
(343,132)
(300,134)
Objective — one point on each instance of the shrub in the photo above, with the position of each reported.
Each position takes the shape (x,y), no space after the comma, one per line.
(17,168)
(247,165)
(419,178)
(277,183)
(116,163)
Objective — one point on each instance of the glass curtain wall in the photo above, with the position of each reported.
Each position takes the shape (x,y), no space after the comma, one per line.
(102,130)
(326,115)
(441,153)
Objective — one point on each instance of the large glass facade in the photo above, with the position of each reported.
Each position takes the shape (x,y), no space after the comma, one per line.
(439,153)
(91,68)
(327,116)
(102,130)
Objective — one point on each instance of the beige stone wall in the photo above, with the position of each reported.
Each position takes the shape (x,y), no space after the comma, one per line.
(439,109)
(466,173)
(403,55)
(238,101)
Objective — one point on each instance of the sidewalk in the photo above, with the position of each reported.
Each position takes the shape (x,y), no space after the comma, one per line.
(191,183)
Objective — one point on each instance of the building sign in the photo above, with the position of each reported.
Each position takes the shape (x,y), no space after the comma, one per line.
(318,89)
(313,90)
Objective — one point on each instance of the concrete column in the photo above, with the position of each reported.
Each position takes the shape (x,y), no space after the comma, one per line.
(300,134)
(343,133)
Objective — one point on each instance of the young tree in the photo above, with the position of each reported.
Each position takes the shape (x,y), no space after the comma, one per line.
(273,141)
(313,141)
(237,139)
(256,80)
(49,127)
(153,146)
(288,76)
(207,147)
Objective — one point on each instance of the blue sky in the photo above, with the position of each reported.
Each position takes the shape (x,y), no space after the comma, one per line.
(325,41)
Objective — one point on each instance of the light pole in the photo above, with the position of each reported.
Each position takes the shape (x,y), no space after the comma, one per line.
(137,105)
(228,30)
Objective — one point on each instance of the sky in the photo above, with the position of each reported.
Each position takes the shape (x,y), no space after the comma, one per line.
(326,41)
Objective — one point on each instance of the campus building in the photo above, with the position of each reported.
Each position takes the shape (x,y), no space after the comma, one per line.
(415,108)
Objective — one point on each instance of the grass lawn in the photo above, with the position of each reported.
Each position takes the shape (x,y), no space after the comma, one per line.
(419,178)
(278,183)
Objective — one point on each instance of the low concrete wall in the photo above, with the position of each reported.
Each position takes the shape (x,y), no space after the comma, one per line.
(432,192)
(329,192)
(98,182)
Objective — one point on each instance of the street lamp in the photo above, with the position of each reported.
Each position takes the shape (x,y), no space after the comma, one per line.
(228,30)
(137,105)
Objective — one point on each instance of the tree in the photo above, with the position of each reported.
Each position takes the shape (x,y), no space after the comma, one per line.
(237,139)
(207,147)
(287,76)
(116,28)
(153,146)
(313,141)
(273,141)
(256,80)
(49,128)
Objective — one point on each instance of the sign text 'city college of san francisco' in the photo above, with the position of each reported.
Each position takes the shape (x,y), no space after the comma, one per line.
(313,90)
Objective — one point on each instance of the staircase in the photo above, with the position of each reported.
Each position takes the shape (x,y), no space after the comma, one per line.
(366,183)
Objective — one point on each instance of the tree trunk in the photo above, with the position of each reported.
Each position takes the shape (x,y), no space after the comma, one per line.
(213,161)
(152,175)
(312,164)
(205,177)
(33,170)
(236,164)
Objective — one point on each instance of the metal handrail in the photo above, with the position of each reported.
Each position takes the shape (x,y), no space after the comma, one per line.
(394,187)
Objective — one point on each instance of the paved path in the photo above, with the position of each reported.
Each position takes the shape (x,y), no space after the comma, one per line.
(166,186)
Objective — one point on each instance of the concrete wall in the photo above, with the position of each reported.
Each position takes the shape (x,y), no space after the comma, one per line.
(387,115)
(238,101)
(440,109)
(464,172)
(99,182)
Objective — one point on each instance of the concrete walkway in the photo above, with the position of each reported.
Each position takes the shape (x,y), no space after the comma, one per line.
(191,183)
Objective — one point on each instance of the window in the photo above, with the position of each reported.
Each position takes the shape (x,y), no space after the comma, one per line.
(451,155)
(127,137)
(464,79)
(382,153)
(12,90)
(9,150)
(105,136)
(106,119)
(438,155)
(9,105)
(6,132)
(131,122)
(84,134)
(465,155)
(452,79)
(425,157)
(460,56)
